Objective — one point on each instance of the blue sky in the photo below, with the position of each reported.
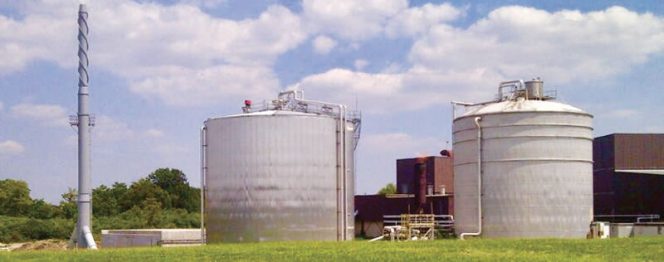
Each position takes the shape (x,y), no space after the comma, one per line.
(160,68)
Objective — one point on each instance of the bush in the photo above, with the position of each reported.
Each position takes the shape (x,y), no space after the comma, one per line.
(17,229)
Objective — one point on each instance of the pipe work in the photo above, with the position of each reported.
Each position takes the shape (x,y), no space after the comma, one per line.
(479,182)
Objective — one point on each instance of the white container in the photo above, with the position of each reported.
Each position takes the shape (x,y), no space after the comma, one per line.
(273,176)
(536,170)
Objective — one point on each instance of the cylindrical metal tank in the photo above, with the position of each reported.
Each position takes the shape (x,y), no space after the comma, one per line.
(273,176)
(535,89)
(535,163)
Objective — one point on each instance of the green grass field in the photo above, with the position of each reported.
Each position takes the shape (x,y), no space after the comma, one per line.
(627,249)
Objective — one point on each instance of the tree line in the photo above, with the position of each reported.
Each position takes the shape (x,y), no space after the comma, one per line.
(163,199)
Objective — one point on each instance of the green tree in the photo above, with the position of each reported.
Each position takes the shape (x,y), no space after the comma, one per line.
(68,204)
(14,198)
(152,212)
(109,201)
(143,189)
(388,189)
(43,210)
(175,183)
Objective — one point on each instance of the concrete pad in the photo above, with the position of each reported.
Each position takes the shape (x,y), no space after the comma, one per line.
(149,237)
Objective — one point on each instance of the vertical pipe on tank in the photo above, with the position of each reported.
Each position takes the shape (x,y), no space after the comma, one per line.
(84,191)
(342,170)
(342,120)
(203,171)
(479,181)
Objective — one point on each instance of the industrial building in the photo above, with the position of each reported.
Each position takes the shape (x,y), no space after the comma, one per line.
(373,212)
(522,165)
(439,175)
(283,170)
(628,177)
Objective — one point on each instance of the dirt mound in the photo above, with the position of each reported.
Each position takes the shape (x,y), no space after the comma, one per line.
(51,244)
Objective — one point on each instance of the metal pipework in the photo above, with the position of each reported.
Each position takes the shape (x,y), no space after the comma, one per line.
(83,123)
(515,84)
(89,238)
(203,177)
(479,182)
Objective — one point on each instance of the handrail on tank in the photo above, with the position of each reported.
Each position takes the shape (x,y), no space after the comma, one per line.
(466,104)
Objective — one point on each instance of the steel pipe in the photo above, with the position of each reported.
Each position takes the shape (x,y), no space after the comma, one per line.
(479,182)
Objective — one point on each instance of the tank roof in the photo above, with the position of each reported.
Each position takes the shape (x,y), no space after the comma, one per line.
(271,113)
(514,106)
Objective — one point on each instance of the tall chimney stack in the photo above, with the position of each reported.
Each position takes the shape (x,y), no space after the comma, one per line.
(83,226)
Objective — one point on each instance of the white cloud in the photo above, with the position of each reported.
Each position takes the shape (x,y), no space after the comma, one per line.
(11,148)
(450,63)
(622,113)
(109,129)
(183,56)
(343,86)
(414,89)
(43,36)
(323,44)
(362,20)
(349,19)
(154,133)
(204,3)
(188,87)
(150,41)
(417,20)
(378,84)
(561,47)
(360,64)
(399,145)
(45,114)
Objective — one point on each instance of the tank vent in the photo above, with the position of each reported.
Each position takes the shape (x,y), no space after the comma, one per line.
(529,90)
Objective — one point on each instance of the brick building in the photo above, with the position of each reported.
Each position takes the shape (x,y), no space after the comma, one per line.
(628,176)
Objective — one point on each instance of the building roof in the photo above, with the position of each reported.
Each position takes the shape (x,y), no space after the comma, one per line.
(629,152)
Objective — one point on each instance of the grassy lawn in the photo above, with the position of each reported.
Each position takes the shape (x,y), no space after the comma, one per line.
(626,249)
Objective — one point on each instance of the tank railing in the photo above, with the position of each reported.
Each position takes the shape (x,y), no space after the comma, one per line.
(443,221)
(466,106)
(549,94)
(293,100)
(356,119)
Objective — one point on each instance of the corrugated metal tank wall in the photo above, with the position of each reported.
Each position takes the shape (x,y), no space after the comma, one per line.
(272,176)
(537,170)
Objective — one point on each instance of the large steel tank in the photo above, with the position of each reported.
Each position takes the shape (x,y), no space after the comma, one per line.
(530,159)
(280,173)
